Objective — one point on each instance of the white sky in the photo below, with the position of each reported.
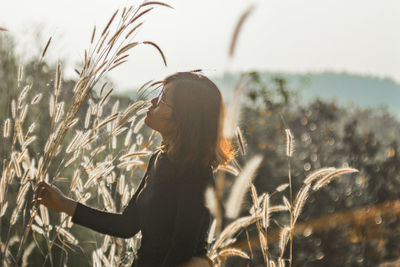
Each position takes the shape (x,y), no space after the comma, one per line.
(358,36)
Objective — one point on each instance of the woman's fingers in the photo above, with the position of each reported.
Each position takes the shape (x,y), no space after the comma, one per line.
(43,185)
(41,193)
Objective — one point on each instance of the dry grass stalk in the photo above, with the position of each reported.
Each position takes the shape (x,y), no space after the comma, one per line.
(67,235)
(159,50)
(133,30)
(57,84)
(59,112)
(238,27)
(102,42)
(93,35)
(140,15)
(139,125)
(3,29)
(241,140)
(44,215)
(36,99)
(230,169)
(286,202)
(109,23)
(284,236)
(14,216)
(327,178)
(24,93)
(87,117)
(117,131)
(232,229)
(46,47)
(233,252)
(299,202)
(253,210)
(155,3)
(289,143)
(3,209)
(27,251)
(124,49)
(213,205)
(75,180)
(74,141)
(130,163)
(254,196)
(135,154)
(282,187)
(13,109)
(121,185)
(37,229)
(29,141)
(16,164)
(6,128)
(105,98)
(263,244)
(72,159)
(212,231)
(266,211)
(132,108)
(88,141)
(117,64)
(121,59)
(116,35)
(24,112)
(51,105)
(233,113)
(20,74)
(21,194)
(107,120)
(240,187)
(315,175)
(128,138)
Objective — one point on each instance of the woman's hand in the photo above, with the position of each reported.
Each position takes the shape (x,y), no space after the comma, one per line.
(51,197)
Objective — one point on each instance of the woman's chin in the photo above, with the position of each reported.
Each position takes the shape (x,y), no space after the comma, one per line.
(147,121)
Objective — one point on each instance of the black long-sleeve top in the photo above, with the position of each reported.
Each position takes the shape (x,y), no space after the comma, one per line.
(168,207)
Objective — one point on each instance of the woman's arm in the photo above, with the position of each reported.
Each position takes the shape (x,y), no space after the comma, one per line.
(123,225)
(70,206)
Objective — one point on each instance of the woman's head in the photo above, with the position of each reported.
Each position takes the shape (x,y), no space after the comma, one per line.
(190,117)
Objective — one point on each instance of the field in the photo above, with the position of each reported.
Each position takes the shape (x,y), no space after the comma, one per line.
(274,204)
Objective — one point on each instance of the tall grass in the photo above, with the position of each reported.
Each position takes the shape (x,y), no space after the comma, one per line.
(221,243)
(96,158)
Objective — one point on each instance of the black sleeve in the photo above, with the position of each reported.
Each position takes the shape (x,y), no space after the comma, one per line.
(123,225)
(188,221)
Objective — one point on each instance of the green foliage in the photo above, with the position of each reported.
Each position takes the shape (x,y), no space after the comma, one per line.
(328,135)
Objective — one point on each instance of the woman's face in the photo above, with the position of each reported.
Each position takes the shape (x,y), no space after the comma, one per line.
(159,116)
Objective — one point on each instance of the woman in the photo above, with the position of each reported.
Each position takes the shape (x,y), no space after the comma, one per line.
(169,205)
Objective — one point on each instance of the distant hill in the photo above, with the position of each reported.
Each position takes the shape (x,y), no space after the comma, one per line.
(344,88)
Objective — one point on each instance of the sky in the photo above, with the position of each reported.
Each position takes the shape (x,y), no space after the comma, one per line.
(357,36)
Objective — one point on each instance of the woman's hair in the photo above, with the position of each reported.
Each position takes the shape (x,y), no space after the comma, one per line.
(198,115)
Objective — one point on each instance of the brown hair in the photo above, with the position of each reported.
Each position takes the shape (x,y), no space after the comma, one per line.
(198,116)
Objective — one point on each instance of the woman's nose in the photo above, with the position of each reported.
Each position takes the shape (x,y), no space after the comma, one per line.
(154,101)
